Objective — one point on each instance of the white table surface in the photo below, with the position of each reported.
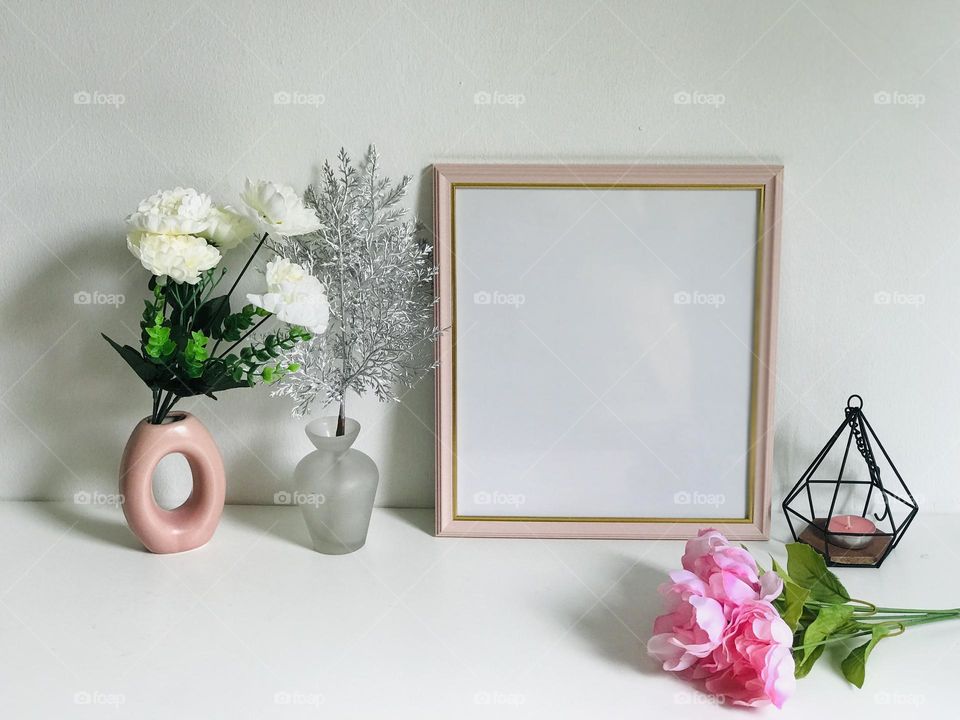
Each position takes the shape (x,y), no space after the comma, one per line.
(258,625)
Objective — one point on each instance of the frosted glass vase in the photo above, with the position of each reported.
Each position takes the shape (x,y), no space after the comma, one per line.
(336,486)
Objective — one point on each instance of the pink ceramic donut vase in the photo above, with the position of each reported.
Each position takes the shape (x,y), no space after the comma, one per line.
(193,523)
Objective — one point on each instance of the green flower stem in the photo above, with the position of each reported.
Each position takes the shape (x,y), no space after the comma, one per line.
(832,640)
(860,606)
(162,412)
(902,622)
(174,401)
(166,405)
(247,265)
(917,611)
(234,286)
(908,618)
(869,609)
(209,287)
(924,620)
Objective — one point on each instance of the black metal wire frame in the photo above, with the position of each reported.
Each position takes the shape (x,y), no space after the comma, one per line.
(862,434)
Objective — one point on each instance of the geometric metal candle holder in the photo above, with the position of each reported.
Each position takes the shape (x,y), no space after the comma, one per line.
(840,504)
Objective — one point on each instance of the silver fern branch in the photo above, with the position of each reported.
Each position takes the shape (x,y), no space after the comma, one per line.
(379,273)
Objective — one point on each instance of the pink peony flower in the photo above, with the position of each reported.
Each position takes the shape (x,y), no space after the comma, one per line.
(729,571)
(720,627)
(692,627)
(753,664)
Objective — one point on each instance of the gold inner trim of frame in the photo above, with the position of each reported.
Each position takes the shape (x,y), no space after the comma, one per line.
(754,362)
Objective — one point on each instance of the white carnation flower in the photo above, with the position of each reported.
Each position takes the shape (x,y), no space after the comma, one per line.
(294,296)
(226,228)
(278,209)
(180,257)
(181,211)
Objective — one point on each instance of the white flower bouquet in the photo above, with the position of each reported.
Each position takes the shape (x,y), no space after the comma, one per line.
(180,236)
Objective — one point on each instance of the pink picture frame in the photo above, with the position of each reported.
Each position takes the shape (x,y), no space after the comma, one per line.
(451,182)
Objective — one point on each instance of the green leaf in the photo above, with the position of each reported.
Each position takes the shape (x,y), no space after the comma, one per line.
(158,333)
(195,354)
(144,369)
(159,344)
(211,316)
(806,665)
(790,604)
(829,620)
(807,568)
(854,666)
(779,570)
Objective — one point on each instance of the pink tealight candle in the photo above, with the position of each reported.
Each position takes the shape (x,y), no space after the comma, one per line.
(863,529)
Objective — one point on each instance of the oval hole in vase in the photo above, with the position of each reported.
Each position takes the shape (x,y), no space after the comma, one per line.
(172,481)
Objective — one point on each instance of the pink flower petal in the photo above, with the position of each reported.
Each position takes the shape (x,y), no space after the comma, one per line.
(771,585)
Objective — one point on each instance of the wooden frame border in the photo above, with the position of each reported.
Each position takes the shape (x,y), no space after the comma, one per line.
(768,179)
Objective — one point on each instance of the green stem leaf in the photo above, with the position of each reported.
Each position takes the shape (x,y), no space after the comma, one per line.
(807,568)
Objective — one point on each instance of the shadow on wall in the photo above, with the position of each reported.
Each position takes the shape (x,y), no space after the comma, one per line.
(413,421)
(69,402)
(75,402)
(68,417)
(406,459)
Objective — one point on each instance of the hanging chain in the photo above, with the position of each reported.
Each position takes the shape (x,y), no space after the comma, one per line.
(854,415)
(865,451)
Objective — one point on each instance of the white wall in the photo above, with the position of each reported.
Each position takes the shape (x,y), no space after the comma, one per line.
(871,205)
